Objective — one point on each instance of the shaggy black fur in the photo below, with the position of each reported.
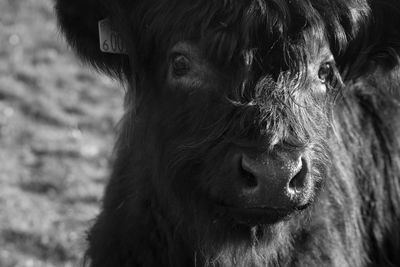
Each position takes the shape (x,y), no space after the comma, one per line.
(253,85)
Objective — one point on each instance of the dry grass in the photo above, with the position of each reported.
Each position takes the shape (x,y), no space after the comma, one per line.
(57,121)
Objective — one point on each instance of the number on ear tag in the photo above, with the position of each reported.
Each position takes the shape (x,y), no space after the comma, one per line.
(111,40)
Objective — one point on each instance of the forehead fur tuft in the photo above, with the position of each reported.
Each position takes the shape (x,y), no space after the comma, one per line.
(231,26)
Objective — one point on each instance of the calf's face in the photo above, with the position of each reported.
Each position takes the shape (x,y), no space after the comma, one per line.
(238,145)
(224,147)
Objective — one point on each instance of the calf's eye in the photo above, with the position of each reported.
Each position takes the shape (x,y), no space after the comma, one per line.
(180,65)
(325,72)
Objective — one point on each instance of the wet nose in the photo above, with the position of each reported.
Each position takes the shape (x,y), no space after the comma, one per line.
(279,181)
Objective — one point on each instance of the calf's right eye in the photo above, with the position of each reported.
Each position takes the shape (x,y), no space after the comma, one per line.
(180,65)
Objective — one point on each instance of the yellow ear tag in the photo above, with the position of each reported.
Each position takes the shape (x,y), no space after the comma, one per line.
(111,40)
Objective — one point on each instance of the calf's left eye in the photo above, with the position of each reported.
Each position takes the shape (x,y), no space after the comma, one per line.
(325,72)
(180,65)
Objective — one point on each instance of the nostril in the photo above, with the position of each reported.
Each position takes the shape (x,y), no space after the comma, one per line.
(249,179)
(247,172)
(298,182)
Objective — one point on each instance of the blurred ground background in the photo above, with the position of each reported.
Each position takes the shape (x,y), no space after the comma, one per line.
(57,126)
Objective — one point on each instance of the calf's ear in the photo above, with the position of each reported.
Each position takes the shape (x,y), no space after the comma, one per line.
(377,44)
(79,21)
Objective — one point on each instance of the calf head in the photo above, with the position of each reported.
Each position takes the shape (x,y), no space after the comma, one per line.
(228,108)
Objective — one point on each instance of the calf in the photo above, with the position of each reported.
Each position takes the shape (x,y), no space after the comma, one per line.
(256,132)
